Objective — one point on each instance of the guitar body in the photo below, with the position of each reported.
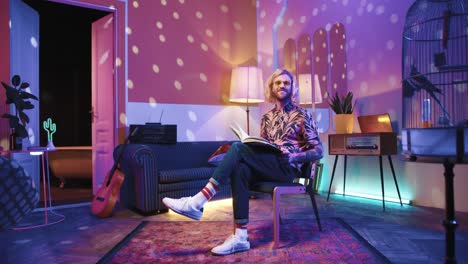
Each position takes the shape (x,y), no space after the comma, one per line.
(104,201)
(106,197)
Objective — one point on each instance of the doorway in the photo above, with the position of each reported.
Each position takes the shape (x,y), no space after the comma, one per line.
(65,92)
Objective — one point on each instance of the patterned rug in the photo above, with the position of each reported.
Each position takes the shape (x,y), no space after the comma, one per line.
(191,242)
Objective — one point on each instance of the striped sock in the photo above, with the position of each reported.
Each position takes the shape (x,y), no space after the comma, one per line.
(205,195)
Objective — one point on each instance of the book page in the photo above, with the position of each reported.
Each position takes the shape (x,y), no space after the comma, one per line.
(252,140)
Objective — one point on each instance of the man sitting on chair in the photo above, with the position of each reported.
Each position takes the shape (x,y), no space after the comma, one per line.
(288,126)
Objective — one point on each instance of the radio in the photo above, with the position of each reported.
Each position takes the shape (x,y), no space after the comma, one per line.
(154,133)
(379,143)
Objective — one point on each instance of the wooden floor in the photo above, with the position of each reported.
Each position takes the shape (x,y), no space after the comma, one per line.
(407,234)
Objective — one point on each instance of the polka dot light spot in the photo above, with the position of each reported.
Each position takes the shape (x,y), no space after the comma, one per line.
(162,38)
(224,8)
(159,24)
(155,68)
(192,116)
(163,2)
(175,15)
(135,4)
(152,102)
(350,75)
(203,77)
(177,85)
(83,227)
(104,57)
(123,118)
(180,62)
(33,41)
(315,12)
(390,45)
(118,62)
(380,10)
(394,18)
(237,26)
(349,19)
(128,30)
(209,33)
(199,15)
(204,47)
(130,84)
(190,135)
(190,38)
(135,49)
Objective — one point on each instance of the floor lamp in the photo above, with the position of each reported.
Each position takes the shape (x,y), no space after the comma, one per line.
(306,93)
(246,87)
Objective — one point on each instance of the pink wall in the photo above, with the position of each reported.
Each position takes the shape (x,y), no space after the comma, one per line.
(183,51)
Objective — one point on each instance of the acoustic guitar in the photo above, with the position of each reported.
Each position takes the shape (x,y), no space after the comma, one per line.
(104,201)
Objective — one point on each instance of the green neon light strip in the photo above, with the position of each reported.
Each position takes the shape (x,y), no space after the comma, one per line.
(375,197)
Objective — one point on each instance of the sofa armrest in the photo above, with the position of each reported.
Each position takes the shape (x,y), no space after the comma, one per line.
(138,164)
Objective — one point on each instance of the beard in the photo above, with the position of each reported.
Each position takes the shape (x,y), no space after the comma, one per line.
(285,98)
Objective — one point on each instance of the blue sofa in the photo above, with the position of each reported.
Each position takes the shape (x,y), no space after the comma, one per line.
(155,171)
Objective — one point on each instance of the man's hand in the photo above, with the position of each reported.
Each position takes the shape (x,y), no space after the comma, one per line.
(290,157)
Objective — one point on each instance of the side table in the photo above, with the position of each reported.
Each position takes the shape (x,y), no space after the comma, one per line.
(45,174)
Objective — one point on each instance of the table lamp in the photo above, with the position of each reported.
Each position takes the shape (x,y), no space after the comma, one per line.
(246,87)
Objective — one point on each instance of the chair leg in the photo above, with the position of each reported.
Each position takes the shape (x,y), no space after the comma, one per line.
(310,191)
(276,218)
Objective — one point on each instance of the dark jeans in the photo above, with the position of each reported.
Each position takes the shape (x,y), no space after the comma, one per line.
(243,165)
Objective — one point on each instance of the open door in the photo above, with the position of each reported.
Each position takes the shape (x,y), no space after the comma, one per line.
(103,98)
(24,61)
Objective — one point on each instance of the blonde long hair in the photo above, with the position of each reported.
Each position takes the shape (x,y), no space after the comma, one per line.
(269,96)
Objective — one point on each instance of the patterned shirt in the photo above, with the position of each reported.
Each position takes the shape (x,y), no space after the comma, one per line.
(293,129)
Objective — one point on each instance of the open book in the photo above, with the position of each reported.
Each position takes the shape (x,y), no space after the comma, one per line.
(252,140)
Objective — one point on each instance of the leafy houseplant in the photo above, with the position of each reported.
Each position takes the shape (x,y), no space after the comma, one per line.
(16,94)
(342,105)
(343,108)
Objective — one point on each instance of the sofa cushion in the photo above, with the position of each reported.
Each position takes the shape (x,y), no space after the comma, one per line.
(219,154)
(183,175)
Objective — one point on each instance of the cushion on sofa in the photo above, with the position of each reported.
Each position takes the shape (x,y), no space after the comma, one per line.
(219,154)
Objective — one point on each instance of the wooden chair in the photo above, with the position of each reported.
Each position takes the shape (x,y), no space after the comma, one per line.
(276,189)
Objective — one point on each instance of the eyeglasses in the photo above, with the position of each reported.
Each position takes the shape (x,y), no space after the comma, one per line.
(286,83)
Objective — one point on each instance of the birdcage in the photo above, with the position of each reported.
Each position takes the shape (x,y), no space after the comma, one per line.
(435,64)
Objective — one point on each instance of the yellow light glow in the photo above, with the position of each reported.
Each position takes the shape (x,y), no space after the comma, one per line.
(383,119)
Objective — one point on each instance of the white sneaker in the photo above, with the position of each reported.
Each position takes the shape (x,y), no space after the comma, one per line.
(235,243)
(183,206)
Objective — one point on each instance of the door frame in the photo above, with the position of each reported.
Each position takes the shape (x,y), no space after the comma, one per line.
(118,8)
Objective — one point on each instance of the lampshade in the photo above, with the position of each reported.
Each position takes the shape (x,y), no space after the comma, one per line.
(305,89)
(246,85)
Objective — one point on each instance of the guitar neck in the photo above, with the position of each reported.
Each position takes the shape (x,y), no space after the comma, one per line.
(119,156)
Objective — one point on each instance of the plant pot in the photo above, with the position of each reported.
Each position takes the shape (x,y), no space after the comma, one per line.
(344,123)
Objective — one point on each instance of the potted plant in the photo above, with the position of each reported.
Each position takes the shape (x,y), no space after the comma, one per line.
(16,94)
(343,107)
